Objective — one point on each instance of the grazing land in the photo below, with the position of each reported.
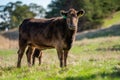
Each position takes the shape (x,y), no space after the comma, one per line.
(95,55)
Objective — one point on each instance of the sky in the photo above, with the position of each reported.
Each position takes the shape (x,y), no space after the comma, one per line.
(43,3)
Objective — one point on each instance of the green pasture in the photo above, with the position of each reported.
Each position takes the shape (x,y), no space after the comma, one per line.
(113,19)
(92,57)
(96,59)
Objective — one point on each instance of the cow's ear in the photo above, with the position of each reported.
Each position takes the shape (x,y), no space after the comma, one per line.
(63,13)
(80,13)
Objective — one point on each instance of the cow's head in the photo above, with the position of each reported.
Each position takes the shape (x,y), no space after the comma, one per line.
(72,17)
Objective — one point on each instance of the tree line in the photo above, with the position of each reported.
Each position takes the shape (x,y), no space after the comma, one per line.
(96,10)
(12,14)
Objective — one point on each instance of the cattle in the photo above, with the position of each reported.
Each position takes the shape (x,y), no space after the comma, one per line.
(57,32)
(36,54)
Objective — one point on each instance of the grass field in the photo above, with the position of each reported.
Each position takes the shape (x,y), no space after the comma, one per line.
(114,19)
(94,56)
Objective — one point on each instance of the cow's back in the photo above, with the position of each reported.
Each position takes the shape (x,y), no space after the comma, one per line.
(41,32)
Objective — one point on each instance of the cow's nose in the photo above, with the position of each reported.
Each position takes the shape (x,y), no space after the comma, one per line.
(72,26)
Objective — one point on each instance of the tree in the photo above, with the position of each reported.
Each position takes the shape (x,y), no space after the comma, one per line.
(37,9)
(20,13)
(95,10)
(56,5)
(12,14)
(7,12)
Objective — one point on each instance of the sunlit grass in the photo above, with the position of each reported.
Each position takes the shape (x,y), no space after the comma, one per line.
(7,52)
(89,59)
(94,56)
(86,70)
(114,19)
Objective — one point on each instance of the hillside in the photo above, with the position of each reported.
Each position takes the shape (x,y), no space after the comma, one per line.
(113,19)
(94,56)
(111,31)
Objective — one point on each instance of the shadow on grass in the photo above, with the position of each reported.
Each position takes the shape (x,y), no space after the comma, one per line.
(102,76)
(114,30)
(113,48)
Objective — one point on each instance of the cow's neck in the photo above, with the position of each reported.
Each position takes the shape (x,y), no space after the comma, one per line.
(69,35)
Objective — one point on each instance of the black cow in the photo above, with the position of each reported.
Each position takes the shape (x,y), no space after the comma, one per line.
(58,33)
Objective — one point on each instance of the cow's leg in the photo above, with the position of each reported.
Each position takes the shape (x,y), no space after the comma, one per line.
(29,55)
(65,57)
(33,60)
(22,46)
(27,52)
(60,56)
(40,56)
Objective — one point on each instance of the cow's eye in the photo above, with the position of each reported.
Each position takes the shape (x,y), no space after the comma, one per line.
(73,15)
